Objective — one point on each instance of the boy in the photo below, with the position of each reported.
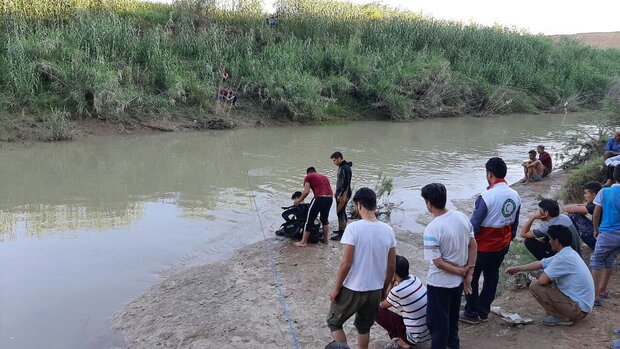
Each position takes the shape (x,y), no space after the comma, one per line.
(577,213)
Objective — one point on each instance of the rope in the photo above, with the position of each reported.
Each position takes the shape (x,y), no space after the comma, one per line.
(274,271)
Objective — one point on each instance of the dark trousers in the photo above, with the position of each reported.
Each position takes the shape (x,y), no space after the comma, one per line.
(539,249)
(610,173)
(487,264)
(442,316)
(585,228)
(392,323)
(342,213)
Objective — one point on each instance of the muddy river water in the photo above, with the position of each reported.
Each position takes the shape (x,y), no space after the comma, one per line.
(86,226)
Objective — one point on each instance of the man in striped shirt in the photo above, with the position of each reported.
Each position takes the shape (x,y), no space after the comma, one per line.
(408,295)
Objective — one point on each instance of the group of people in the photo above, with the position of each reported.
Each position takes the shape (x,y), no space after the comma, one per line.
(375,284)
(535,169)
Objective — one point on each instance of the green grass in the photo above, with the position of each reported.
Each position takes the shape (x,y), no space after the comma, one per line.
(124,59)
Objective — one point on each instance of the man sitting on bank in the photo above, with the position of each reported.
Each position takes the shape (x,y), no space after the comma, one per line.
(565,289)
(537,240)
(533,169)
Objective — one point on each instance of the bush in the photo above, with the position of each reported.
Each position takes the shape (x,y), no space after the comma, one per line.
(591,170)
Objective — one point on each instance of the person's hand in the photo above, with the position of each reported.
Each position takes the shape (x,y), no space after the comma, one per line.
(467,283)
(512,270)
(333,294)
(538,215)
(296,202)
(595,233)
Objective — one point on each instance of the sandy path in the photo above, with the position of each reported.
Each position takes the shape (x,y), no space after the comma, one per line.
(235,303)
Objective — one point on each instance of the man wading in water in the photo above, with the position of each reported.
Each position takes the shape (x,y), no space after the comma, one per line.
(320,204)
(343,192)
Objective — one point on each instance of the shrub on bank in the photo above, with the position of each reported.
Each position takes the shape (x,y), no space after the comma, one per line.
(123,59)
(591,170)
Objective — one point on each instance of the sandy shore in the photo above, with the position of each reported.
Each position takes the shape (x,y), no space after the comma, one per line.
(235,303)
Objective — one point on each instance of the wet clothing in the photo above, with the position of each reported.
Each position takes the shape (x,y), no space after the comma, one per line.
(343,187)
(319,206)
(545,158)
(319,184)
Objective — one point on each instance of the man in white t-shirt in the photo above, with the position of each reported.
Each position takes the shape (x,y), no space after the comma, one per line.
(364,276)
(450,246)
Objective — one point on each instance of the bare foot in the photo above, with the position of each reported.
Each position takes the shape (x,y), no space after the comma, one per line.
(403,344)
(325,239)
(300,244)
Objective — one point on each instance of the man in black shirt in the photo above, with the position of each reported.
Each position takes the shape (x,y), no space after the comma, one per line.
(343,192)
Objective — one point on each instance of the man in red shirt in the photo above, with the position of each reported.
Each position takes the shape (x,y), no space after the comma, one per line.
(320,204)
(545,158)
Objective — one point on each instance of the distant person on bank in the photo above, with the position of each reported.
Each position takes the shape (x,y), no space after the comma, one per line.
(343,192)
(565,288)
(537,240)
(612,156)
(408,297)
(451,249)
(533,169)
(545,159)
(606,221)
(494,221)
(320,204)
(577,213)
(367,268)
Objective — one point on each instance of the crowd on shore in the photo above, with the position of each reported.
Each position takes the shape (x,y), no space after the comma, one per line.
(375,285)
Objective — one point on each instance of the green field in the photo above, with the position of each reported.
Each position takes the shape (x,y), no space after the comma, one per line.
(124,60)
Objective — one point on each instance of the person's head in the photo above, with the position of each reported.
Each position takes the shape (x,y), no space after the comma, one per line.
(540,149)
(590,190)
(435,196)
(617,134)
(496,169)
(549,208)
(559,237)
(402,267)
(532,154)
(296,195)
(366,198)
(337,158)
(310,170)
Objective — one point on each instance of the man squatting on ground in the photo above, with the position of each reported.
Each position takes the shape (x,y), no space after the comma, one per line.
(537,240)
(450,247)
(606,221)
(408,297)
(364,276)
(495,220)
(343,192)
(320,204)
(577,213)
(565,288)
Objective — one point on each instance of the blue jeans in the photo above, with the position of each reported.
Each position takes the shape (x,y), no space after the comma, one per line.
(585,228)
(487,264)
(442,316)
(606,251)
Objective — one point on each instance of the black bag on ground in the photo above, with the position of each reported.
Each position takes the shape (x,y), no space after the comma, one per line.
(295,219)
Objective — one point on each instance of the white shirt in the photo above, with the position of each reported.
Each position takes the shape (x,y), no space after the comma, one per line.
(447,237)
(372,242)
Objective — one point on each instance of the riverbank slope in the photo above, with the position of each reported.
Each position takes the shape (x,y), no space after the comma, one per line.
(235,303)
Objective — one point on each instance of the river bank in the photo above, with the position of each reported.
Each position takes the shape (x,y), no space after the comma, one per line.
(234,303)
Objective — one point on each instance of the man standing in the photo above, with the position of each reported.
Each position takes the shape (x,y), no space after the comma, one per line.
(607,234)
(537,240)
(343,192)
(565,288)
(495,220)
(320,204)
(612,149)
(450,247)
(364,276)
(545,159)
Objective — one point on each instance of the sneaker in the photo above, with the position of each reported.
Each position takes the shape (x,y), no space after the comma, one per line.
(336,235)
(484,318)
(466,318)
(551,320)
(598,303)
(392,345)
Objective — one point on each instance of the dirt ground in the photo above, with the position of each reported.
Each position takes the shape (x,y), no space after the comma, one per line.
(599,40)
(235,303)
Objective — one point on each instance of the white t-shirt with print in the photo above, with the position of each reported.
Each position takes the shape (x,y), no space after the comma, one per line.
(372,242)
(447,237)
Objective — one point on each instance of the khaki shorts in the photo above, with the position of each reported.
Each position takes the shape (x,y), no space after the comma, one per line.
(363,305)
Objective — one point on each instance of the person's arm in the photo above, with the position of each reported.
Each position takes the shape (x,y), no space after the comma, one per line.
(544,279)
(385,304)
(389,273)
(596,220)
(576,208)
(515,224)
(450,268)
(343,270)
(537,265)
(480,213)
(472,255)
(303,195)
(526,232)
(346,173)
(608,150)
